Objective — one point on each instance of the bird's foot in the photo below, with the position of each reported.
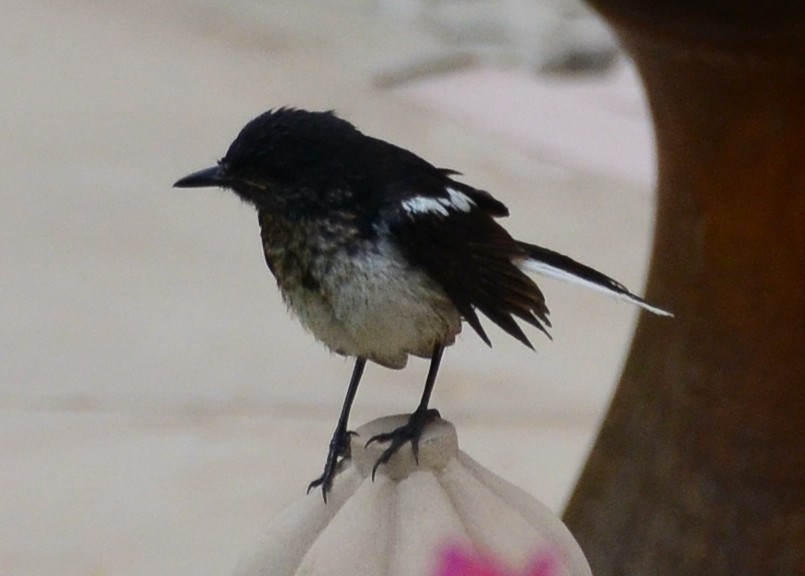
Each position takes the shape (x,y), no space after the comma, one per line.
(337,454)
(409,432)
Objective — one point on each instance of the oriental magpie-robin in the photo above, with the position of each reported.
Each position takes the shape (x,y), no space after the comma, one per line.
(382,255)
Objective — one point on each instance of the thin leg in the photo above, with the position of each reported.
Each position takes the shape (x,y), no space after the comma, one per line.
(339,444)
(421,417)
(435,360)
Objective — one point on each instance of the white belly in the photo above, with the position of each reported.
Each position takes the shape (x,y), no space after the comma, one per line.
(375,306)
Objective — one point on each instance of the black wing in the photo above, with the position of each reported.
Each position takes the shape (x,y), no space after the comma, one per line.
(451,234)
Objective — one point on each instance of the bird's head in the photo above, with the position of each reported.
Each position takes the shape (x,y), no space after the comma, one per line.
(284,160)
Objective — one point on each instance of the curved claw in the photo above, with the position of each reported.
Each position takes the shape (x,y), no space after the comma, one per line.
(320,481)
(339,451)
(411,432)
(325,480)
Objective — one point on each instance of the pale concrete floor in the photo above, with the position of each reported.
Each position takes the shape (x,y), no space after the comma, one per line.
(158,403)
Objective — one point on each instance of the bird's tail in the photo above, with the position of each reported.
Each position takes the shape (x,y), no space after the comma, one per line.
(554,265)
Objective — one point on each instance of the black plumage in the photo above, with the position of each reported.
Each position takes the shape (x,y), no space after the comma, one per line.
(380,253)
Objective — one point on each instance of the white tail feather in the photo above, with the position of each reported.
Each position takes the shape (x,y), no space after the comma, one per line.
(543,269)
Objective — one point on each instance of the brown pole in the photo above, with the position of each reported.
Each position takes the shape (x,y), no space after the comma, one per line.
(699,467)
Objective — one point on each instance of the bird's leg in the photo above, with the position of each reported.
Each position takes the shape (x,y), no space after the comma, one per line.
(421,417)
(339,444)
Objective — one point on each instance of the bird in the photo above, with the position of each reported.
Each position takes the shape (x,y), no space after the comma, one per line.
(382,255)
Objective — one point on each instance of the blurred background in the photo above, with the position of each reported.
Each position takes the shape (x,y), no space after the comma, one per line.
(157,403)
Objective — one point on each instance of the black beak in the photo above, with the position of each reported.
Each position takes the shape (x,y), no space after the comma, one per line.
(208,177)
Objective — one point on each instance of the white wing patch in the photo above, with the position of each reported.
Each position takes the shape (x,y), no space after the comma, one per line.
(460,201)
(424,205)
(440,206)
